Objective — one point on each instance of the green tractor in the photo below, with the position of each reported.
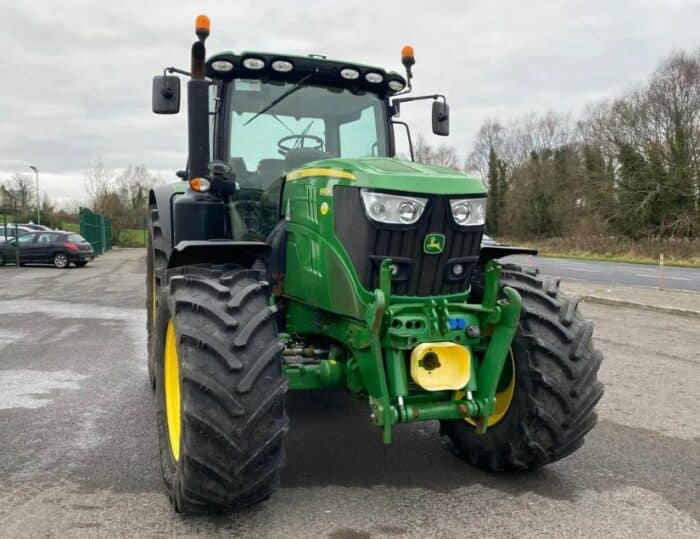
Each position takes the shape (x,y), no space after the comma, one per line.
(298,253)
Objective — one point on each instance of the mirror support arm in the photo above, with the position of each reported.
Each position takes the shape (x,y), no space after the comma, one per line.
(173,69)
(408,134)
(395,103)
(418,98)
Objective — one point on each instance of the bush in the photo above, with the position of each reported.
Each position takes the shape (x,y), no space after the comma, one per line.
(131,237)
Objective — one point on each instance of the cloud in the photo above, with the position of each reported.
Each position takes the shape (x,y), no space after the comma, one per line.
(77,74)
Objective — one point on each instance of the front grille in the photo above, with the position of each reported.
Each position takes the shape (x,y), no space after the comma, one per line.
(420,274)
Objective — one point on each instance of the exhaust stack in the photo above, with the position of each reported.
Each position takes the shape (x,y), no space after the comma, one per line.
(198,104)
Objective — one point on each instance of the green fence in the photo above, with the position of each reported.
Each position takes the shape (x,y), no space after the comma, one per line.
(97,229)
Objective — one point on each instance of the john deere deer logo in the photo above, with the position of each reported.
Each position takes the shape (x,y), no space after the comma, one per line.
(434,244)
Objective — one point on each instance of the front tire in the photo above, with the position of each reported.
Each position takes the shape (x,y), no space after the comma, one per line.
(230,386)
(556,386)
(60,260)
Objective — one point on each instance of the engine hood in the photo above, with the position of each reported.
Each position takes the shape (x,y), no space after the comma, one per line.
(392,174)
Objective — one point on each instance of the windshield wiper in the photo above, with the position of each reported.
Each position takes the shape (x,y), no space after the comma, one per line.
(286,94)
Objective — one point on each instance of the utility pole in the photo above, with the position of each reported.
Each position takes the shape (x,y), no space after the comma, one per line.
(38,198)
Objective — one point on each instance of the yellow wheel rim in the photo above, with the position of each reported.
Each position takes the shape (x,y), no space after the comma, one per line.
(503,399)
(171,386)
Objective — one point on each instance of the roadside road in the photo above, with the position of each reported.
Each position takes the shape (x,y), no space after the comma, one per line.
(615,273)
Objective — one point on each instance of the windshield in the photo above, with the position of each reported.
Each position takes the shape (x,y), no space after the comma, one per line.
(333,122)
(305,123)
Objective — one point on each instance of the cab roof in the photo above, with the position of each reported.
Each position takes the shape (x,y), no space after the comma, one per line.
(323,71)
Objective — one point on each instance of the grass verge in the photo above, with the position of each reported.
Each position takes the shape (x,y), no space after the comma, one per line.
(132,237)
(676,252)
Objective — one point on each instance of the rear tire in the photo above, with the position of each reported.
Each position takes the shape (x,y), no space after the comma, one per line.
(60,260)
(80,264)
(233,419)
(151,296)
(2,260)
(556,385)
(156,264)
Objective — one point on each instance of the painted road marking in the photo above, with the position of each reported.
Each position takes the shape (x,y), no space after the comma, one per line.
(579,269)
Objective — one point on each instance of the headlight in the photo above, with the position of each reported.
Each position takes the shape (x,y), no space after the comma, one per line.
(469,211)
(392,209)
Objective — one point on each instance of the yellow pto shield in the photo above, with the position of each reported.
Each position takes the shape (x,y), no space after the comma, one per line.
(437,366)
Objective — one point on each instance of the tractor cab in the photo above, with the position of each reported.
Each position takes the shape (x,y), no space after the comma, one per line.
(270,114)
(273,114)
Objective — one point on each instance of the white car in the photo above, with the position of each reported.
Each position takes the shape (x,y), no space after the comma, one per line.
(8,231)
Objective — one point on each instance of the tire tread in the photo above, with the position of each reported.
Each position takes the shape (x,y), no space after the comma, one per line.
(561,381)
(232,386)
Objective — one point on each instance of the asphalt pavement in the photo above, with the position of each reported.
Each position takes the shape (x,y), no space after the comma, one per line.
(78,453)
(615,273)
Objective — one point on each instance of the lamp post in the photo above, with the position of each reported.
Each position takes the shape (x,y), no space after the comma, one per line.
(38,200)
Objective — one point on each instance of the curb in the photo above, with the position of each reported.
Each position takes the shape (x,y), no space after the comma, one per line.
(642,306)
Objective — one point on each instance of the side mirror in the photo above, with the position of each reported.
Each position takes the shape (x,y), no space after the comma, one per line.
(441,118)
(166,94)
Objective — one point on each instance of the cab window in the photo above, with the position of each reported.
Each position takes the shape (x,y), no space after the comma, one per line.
(358,138)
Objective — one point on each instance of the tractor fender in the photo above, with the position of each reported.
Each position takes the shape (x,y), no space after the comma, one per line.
(160,200)
(171,250)
(245,253)
(494,252)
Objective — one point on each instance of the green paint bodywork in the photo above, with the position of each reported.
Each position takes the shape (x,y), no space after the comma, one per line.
(392,174)
(372,331)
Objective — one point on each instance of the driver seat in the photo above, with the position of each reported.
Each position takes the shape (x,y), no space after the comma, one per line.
(270,170)
(300,156)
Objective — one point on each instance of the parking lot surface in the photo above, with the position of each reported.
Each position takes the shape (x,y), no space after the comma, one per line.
(78,454)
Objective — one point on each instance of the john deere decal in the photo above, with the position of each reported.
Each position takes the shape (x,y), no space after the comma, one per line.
(434,244)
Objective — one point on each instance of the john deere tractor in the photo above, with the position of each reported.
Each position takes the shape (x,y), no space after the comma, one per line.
(298,253)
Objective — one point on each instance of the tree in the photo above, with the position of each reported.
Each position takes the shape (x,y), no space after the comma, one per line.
(650,138)
(122,197)
(494,205)
(597,187)
(133,185)
(631,165)
(21,187)
(97,181)
(441,156)
(489,137)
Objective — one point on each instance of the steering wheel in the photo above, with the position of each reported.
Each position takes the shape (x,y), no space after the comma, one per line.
(284,148)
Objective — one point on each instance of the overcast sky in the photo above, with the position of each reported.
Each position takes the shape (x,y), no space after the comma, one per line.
(76,75)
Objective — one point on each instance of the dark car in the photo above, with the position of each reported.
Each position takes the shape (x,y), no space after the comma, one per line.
(54,247)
